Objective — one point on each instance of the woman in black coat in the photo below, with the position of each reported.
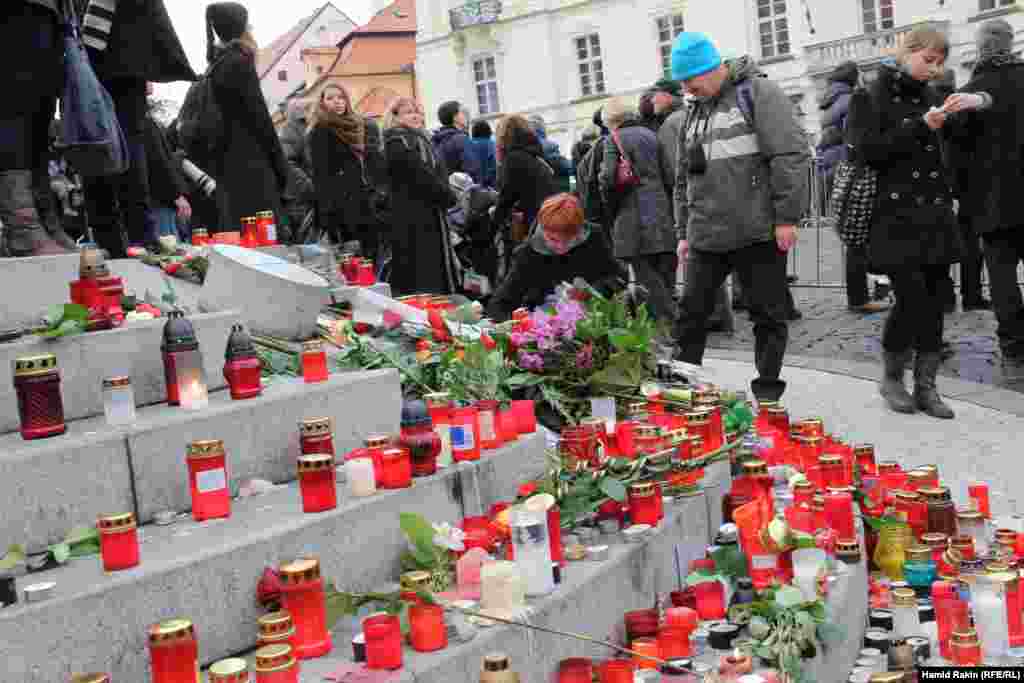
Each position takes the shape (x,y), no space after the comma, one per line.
(346,153)
(421,256)
(525,180)
(252,172)
(914,236)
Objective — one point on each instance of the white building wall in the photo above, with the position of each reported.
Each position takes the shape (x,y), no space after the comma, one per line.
(330,28)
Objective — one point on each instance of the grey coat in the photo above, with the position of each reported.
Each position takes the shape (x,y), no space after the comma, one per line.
(668,149)
(756,176)
(643,224)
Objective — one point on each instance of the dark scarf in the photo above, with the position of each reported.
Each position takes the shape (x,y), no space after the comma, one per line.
(995,60)
(417,137)
(350,128)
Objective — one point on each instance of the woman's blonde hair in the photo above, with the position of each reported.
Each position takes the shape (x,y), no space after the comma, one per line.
(248,43)
(617,112)
(923,38)
(316,113)
(395,106)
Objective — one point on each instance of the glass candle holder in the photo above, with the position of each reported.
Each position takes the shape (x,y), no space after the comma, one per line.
(119,401)
(302,594)
(508,428)
(366,275)
(208,480)
(374,448)
(641,623)
(644,649)
(173,652)
(119,541)
(808,564)
(526,419)
(532,549)
(941,511)
(266,229)
(427,630)
(232,670)
(396,468)
(889,551)
(575,670)
(710,597)
(988,606)
(200,237)
(673,642)
(905,617)
(183,361)
(316,435)
(276,628)
(617,671)
(864,454)
(424,446)
(972,523)
(276,664)
(249,237)
(383,642)
(314,362)
(318,482)
(440,409)
(1014,607)
(944,597)
(839,513)
(243,368)
(40,408)
(965,648)
(978,493)
(465,434)
(642,503)
(919,569)
(487,416)
(832,470)
(360,476)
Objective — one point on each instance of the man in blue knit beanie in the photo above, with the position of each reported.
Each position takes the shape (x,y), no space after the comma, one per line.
(740,191)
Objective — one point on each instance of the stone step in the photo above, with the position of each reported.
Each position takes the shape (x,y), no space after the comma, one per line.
(208,572)
(85,360)
(51,485)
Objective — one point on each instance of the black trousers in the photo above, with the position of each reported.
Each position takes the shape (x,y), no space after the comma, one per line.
(657,273)
(1004,249)
(762,274)
(916,320)
(970,267)
(857,275)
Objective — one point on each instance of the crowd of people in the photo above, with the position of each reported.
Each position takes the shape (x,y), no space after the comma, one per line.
(707,170)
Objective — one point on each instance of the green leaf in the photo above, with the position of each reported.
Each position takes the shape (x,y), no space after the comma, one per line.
(61,552)
(54,315)
(523,379)
(86,548)
(420,533)
(789,596)
(65,329)
(76,312)
(80,534)
(15,556)
(613,488)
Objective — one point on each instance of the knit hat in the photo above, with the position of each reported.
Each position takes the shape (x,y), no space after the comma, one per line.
(447,112)
(847,72)
(693,54)
(228,19)
(667,85)
(994,37)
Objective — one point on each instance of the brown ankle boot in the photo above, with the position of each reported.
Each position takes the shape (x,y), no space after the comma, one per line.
(24,235)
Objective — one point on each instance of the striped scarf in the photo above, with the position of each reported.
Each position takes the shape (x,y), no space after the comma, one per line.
(97,23)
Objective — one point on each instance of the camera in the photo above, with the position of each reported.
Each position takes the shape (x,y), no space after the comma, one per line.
(204,182)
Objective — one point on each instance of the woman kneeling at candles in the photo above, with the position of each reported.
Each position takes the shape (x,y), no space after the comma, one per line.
(560,248)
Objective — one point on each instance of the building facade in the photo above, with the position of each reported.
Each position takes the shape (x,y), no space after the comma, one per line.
(563,58)
(280,65)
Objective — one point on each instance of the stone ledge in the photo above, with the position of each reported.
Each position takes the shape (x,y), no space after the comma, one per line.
(208,573)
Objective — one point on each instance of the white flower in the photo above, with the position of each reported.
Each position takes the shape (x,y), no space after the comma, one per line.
(447,536)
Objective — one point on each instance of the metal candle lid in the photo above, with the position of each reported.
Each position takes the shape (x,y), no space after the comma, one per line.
(276,657)
(864,449)
(965,515)
(755,468)
(239,344)
(440,399)
(497,661)
(179,335)
(90,678)
(935,540)
(300,571)
(114,524)
(830,459)
(904,597)
(232,670)
(117,382)
(30,366)
(967,638)
(315,462)
(646,431)
(848,549)
(636,408)
(377,441)
(209,448)
(275,624)
(413,581)
(316,427)
(312,346)
(170,631)
(887,677)
(918,553)
(642,489)
(888,466)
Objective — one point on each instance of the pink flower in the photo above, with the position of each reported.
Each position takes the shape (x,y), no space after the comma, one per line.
(530,361)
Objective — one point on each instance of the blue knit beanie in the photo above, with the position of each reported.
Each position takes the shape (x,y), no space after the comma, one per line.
(693,54)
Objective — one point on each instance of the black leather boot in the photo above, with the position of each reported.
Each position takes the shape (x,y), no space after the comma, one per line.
(926,396)
(24,235)
(891,387)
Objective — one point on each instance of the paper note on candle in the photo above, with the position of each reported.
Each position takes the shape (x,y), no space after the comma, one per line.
(370,317)
(605,409)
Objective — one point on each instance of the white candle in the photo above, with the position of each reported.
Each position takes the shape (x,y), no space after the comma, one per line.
(193,395)
(361,481)
(988,604)
(118,401)
(533,550)
(501,586)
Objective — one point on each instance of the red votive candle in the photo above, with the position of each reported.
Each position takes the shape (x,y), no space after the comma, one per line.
(978,491)
(375,445)
(864,454)
(575,670)
(465,434)
(383,642)
(710,600)
(674,643)
(276,628)
(396,468)
(37,384)
(276,664)
(232,670)
(507,424)
(839,513)
(119,541)
(266,229)
(487,415)
(617,671)
(427,630)
(643,503)
(648,647)
(420,439)
(302,594)
(526,418)
(681,617)
(318,482)
(314,362)
(173,652)
(208,480)
(316,435)
(243,369)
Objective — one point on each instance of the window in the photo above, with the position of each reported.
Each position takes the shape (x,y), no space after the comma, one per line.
(774,28)
(282,75)
(588,55)
(485,75)
(986,5)
(668,28)
(877,15)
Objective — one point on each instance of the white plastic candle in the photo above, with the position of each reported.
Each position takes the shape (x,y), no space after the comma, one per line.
(807,562)
(501,586)
(532,550)
(118,401)
(988,604)
(359,472)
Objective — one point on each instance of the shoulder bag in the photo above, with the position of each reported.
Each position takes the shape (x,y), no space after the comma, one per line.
(625,176)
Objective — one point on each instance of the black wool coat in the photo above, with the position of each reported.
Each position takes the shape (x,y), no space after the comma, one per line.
(913,222)
(421,254)
(32,51)
(166,182)
(525,180)
(344,182)
(987,150)
(252,172)
(142,45)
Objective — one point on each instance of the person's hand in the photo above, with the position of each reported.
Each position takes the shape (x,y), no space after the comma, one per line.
(785,237)
(682,250)
(935,119)
(184,208)
(962,102)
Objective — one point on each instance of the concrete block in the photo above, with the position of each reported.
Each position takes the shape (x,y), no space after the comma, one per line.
(51,485)
(498,474)
(344,293)
(717,482)
(86,359)
(207,573)
(260,434)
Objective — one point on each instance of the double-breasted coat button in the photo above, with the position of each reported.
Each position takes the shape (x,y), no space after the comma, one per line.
(938,201)
(916,174)
(929,148)
(897,99)
(920,201)
(894,195)
(916,100)
(934,174)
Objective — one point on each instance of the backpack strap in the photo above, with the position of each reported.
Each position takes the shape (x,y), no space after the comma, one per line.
(745,100)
